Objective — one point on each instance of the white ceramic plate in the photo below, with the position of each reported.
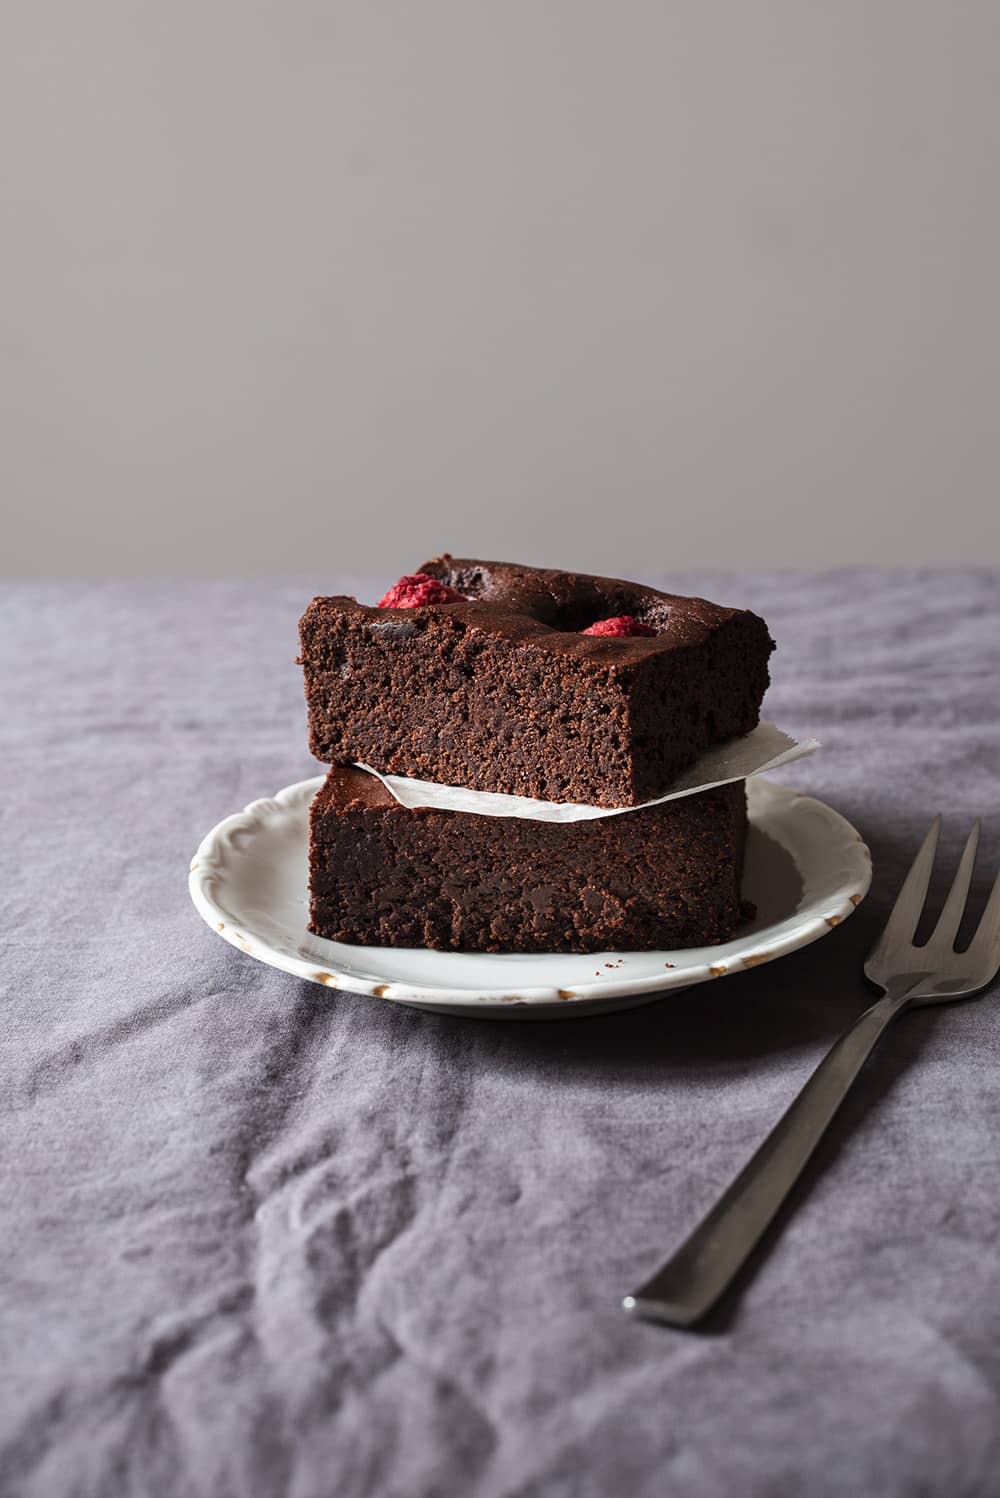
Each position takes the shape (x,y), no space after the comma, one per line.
(807,869)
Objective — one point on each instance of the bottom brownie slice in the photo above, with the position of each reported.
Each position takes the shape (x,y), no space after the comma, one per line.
(384,875)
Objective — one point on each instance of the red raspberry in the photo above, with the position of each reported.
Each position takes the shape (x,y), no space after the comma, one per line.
(624,627)
(413,592)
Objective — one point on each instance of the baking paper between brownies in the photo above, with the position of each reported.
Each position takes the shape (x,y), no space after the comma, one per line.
(766,748)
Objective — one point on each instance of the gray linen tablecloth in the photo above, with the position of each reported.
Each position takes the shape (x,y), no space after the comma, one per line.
(262,1238)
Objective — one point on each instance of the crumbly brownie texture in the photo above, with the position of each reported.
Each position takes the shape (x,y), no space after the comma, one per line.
(383,875)
(503,691)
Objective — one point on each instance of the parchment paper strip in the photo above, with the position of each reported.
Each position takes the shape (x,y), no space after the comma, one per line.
(766,748)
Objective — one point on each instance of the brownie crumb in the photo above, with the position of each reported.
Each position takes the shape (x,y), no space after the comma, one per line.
(662,877)
(502,681)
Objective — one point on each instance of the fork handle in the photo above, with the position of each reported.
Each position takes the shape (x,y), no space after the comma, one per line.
(704,1266)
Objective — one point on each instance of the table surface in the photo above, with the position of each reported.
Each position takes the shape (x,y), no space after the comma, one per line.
(263,1238)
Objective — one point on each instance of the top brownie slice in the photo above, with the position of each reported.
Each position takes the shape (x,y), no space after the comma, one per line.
(502,690)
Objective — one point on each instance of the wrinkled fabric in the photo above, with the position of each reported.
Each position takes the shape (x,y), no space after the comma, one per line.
(265,1238)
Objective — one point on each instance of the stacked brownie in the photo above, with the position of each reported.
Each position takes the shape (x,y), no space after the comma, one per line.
(543,684)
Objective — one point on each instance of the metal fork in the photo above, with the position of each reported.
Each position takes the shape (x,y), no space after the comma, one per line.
(691,1282)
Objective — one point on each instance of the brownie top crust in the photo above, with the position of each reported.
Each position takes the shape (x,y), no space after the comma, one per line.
(353,787)
(549,608)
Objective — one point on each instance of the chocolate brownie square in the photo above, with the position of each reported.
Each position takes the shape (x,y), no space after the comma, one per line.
(555,685)
(662,877)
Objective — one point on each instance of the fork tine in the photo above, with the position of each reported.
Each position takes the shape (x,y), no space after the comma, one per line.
(954,907)
(905,914)
(985,945)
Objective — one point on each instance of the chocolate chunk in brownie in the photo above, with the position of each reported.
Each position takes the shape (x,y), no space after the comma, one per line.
(506,691)
(662,877)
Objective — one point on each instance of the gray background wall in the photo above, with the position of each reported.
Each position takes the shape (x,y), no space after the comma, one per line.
(627,284)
